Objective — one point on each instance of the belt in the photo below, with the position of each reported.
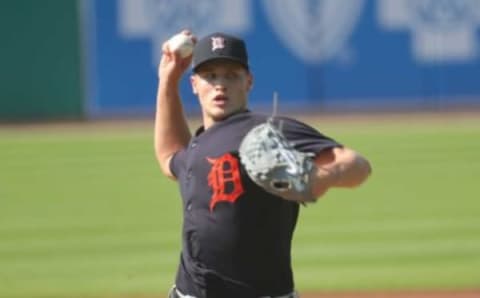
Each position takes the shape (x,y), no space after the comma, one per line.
(175,293)
(180,295)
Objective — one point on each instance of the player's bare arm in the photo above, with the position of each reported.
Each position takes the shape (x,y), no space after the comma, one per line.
(339,167)
(171,128)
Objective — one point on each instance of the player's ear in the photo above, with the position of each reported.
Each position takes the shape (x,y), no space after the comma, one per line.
(249,81)
(193,83)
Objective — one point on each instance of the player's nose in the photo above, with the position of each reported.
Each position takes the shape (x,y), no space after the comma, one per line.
(220,85)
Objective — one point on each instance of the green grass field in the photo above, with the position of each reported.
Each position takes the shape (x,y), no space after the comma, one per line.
(87,213)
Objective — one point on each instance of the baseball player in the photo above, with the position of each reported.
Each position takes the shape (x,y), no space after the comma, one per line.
(239,213)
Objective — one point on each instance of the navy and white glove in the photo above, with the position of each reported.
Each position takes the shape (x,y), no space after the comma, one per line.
(271,162)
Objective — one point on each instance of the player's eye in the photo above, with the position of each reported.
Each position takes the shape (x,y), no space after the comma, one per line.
(231,76)
(209,76)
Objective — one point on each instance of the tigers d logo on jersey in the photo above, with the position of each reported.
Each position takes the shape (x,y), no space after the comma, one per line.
(224,179)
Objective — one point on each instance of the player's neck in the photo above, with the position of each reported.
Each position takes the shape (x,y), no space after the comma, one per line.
(209,121)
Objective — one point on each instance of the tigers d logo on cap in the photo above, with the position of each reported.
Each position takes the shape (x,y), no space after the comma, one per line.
(218,43)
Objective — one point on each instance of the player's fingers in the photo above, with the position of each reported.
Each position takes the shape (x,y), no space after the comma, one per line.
(166,48)
(168,54)
(189,33)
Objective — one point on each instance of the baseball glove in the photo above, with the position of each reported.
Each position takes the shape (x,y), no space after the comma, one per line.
(272,163)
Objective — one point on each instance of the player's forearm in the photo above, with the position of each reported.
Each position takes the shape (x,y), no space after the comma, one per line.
(171,128)
(341,168)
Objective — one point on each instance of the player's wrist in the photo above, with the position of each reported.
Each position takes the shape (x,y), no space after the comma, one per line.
(169,82)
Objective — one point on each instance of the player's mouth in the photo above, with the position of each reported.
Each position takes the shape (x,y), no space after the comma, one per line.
(220,100)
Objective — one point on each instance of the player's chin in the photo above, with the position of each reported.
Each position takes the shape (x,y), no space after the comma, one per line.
(220,112)
(219,115)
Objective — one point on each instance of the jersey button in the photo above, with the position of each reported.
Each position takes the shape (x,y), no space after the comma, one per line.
(189,206)
(193,145)
(189,174)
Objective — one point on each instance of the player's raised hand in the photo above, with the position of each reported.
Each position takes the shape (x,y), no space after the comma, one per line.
(176,55)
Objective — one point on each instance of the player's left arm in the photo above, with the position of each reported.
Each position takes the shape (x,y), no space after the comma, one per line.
(339,167)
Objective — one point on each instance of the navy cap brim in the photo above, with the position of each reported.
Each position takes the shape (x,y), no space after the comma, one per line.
(238,61)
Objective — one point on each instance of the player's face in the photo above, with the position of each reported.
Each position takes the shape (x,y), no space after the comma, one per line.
(222,88)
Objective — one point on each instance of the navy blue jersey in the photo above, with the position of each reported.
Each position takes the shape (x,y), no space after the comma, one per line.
(236,236)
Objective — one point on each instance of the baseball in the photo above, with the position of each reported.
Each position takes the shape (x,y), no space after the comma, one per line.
(182,44)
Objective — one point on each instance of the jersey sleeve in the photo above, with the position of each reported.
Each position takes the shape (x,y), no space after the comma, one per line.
(177,163)
(306,138)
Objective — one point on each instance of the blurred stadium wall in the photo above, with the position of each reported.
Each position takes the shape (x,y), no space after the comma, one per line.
(98,58)
(40,73)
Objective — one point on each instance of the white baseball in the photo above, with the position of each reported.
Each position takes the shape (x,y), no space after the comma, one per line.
(182,44)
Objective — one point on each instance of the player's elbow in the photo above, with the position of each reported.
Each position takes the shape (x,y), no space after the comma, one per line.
(164,163)
(352,168)
(359,168)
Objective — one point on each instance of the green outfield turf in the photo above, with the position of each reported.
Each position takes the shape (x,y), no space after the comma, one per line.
(87,213)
